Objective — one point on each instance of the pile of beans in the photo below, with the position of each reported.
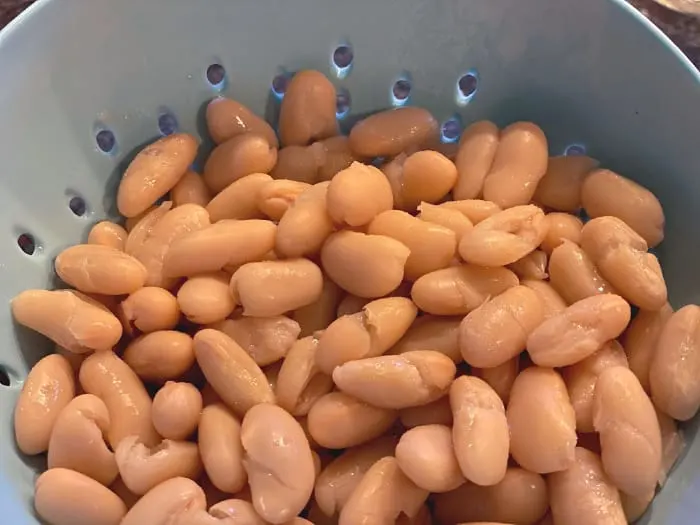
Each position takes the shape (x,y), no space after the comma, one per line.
(297,336)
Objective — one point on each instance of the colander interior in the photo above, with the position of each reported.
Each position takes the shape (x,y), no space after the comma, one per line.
(593,74)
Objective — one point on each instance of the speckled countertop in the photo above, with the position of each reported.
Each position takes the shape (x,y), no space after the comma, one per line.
(683,30)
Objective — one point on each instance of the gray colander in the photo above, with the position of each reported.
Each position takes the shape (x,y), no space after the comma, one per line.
(83,83)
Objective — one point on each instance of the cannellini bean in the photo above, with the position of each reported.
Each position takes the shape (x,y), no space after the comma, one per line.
(560,227)
(447,217)
(583,494)
(552,302)
(674,373)
(357,194)
(397,381)
(122,491)
(338,420)
(458,290)
(436,413)
(500,377)
(239,156)
(66,497)
(190,189)
(167,502)
(320,314)
(227,118)
(334,154)
(75,360)
(672,443)
(560,188)
(299,163)
(221,450)
(604,192)
(440,334)
(176,410)
(205,298)
(48,389)
(149,309)
(368,266)
(630,436)
(542,421)
(475,210)
(635,507)
(141,226)
(225,512)
(532,266)
(239,200)
(578,331)
(573,274)
(477,150)
(351,304)
(160,356)
(108,233)
(480,431)
(77,441)
(497,330)
(422,176)
(641,338)
(277,196)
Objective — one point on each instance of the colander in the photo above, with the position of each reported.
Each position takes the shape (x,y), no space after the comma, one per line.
(83,84)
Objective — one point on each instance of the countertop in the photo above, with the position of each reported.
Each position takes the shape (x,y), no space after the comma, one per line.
(683,30)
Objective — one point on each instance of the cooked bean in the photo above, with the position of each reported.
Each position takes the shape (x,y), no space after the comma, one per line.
(75,360)
(351,304)
(496,331)
(228,512)
(335,155)
(154,171)
(560,188)
(299,163)
(552,302)
(399,381)
(480,431)
(520,498)
(160,356)
(340,421)
(422,176)
(140,227)
(560,227)
(225,243)
(635,507)
(121,490)
(641,338)
(500,377)
(190,190)
(176,410)
(436,413)
(672,443)
(583,494)
(300,382)
(674,373)
(581,380)
(239,200)
(108,233)
(573,274)
(390,132)
(477,150)
(320,314)
(281,478)
(166,503)
(265,339)
(357,194)
(440,334)
(277,196)
(578,331)
(220,447)
(308,109)
(368,266)
(227,118)
(449,218)
(239,156)
(504,237)
(474,209)
(205,298)
(532,266)
(542,421)
(622,258)
(149,309)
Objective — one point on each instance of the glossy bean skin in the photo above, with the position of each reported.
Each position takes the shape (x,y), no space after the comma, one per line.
(66,497)
(367,266)
(306,224)
(422,176)
(239,200)
(674,373)
(190,189)
(476,210)
(578,331)
(449,218)
(277,196)
(221,449)
(205,298)
(390,132)
(477,150)
(497,330)
(542,421)
(532,266)
(480,431)
(149,309)
(106,233)
(227,118)
(338,420)
(320,314)
(583,494)
(560,188)
(154,171)
(500,378)
(334,155)
(141,226)
(48,389)
(239,156)
(574,275)
(634,507)
(281,478)
(160,356)
(552,302)
(436,413)
(440,334)
(604,192)
(357,194)
(641,338)
(166,503)
(560,227)
(299,163)
(176,410)
(70,319)
(519,164)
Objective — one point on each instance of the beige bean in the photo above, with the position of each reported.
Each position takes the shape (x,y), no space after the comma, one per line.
(75,360)
(265,339)
(640,341)
(436,413)
(501,377)
(121,490)
(205,298)
(382,495)
(239,200)
(160,356)
(231,371)
(582,377)
(560,188)
(149,309)
(390,132)
(357,194)
(431,246)
(552,302)
(106,376)
(449,218)
(239,156)
(368,266)
(496,331)
(583,494)
(320,314)
(518,166)
(48,389)
(190,190)
(604,192)
(308,109)
(106,233)
(573,274)
(338,420)
(140,227)
(220,447)
(635,507)
(504,237)
(176,410)
(622,258)
(167,502)
(277,196)
(66,497)
(154,171)
(532,266)
(226,512)
(370,333)
(473,209)
(672,442)
(227,118)
(440,334)
(281,478)
(674,373)
(397,381)
(299,163)
(335,155)
(77,441)
(351,304)
(422,176)
(561,227)
(521,497)
(578,331)
(222,244)
(477,150)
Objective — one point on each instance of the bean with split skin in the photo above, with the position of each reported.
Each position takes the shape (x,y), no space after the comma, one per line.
(476,210)
(574,275)
(475,156)
(449,218)
(560,227)
(277,196)
(149,309)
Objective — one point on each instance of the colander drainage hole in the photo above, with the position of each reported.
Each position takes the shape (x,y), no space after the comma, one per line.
(77,205)
(342,60)
(342,105)
(167,123)
(106,141)
(27,243)
(216,76)
(401,91)
(279,85)
(574,150)
(4,377)
(467,85)
(451,129)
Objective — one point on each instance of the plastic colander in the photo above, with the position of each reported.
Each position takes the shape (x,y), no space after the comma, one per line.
(85,83)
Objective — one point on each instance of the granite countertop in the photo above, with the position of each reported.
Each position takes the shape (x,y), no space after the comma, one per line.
(684,30)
